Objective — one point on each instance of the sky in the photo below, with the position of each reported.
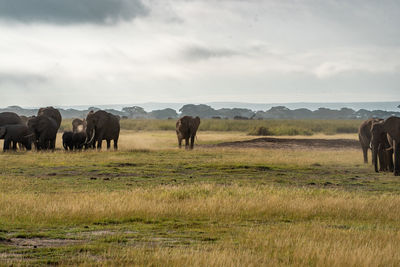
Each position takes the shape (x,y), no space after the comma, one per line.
(87,52)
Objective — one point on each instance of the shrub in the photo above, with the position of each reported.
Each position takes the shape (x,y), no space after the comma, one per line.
(260,131)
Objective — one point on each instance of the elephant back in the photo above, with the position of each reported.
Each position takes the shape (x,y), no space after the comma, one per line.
(9,118)
(52,113)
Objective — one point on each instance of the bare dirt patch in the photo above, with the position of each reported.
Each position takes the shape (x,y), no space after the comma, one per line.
(292,143)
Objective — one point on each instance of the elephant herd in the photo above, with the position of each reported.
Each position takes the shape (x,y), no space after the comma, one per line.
(41,130)
(383,138)
(97,126)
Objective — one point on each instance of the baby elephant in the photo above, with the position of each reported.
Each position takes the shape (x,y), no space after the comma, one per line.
(79,140)
(17,133)
(73,140)
(67,140)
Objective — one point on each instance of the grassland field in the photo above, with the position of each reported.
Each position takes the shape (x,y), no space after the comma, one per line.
(151,204)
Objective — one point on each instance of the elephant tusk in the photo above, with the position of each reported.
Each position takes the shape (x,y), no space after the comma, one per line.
(91,139)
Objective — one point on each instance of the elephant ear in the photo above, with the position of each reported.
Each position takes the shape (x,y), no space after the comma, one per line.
(3,131)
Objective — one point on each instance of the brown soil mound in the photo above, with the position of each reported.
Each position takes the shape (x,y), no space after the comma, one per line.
(278,143)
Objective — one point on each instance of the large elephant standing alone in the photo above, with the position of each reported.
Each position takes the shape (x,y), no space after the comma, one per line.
(101,125)
(186,128)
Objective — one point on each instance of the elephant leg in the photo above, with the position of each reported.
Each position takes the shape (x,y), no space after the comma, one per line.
(365,153)
(396,152)
(14,145)
(36,145)
(52,144)
(180,142)
(381,157)
(390,160)
(108,144)
(116,144)
(186,143)
(99,141)
(191,142)
(45,144)
(6,145)
(42,143)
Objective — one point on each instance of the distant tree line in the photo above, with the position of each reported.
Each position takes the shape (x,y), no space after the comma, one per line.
(205,111)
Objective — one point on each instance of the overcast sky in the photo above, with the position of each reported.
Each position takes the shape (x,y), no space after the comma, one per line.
(84,52)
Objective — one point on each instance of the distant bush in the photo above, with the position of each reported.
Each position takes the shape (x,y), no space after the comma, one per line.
(260,131)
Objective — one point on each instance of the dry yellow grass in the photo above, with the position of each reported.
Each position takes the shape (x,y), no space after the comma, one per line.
(323,228)
(294,246)
(295,226)
(219,222)
(210,201)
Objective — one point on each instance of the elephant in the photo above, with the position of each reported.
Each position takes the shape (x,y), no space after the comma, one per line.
(16,133)
(45,129)
(79,125)
(78,140)
(391,126)
(52,113)
(102,125)
(9,118)
(364,135)
(381,145)
(186,128)
(67,140)
(74,141)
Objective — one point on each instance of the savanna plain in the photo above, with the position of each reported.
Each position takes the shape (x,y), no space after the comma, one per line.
(151,204)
